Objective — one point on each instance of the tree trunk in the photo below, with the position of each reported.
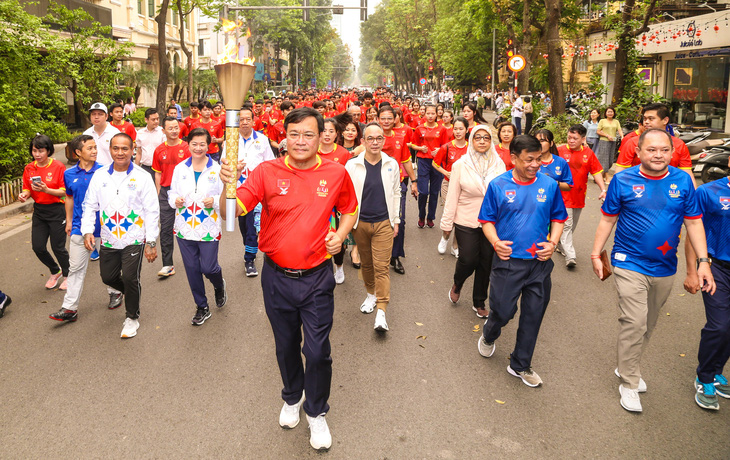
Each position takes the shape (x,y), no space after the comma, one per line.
(523,79)
(162,81)
(188,52)
(555,68)
(625,42)
(573,69)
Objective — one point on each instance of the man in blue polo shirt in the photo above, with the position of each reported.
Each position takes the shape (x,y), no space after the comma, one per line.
(713,200)
(648,204)
(518,208)
(77,182)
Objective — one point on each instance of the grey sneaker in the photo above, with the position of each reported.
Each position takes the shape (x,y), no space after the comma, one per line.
(115,300)
(721,386)
(570,263)
(529,377)
(642,383)
(485,349)
(706,396)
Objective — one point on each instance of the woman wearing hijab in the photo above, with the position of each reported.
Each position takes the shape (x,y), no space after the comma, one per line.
(470,177)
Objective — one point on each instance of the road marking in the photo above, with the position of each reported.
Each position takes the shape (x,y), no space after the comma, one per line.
(15,231)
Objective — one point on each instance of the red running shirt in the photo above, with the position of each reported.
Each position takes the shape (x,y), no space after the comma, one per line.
(126,128)
(51,174)
(627,156)
(433,138)
(339,154)
(582,162)
(166,158)
(504,155)
(215,130)
(448,154)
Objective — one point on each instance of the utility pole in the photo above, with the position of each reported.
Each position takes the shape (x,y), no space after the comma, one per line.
(494,64)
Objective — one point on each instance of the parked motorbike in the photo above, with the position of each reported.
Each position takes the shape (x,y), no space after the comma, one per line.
(712,163)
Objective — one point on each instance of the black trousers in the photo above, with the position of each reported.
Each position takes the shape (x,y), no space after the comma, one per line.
(167,228)
(305,304)
(512,279)
(475,256)
(120,268)
(49,221)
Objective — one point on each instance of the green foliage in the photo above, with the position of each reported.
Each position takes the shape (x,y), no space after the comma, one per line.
(205,82)
(559,125)
(56,131)
(137,117)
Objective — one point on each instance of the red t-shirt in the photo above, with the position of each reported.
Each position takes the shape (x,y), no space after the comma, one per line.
(184,130)
(582,162)
(504,155)
(221,119)
(276,132)
(627,156)
(297,208)
(215,130)
(448,154)
(433,138)
(166,158)
(339,154)
(258,125)
(363,113)
(342,106)
(414,120)
(126,128)
(190,121)
(51,174)
(330,114)
(449,132)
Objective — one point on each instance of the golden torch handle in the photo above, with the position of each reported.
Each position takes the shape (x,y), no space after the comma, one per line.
(232,157)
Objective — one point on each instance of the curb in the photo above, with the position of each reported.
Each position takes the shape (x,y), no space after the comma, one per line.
(16,208)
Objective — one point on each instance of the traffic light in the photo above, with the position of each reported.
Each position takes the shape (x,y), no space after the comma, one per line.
(430,74)
(430,61)
(430,68)
(509,42)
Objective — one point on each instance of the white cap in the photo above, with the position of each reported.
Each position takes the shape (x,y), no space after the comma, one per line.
(98,106)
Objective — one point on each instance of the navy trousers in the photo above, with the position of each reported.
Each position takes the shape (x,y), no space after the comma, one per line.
(201,259)
(510,279)
(399,240)
(250,237)
(715,338)
(295,305)
(429,186)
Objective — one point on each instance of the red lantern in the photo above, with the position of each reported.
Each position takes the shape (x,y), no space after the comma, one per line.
(590,54)
(716,28)
(564,56)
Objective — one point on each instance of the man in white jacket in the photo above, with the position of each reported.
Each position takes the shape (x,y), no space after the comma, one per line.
(125,196)
(376,177)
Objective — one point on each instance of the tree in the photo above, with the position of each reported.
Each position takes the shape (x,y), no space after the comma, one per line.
(85,57)
(138,79)
(164,78)
(555,63)
(183,8)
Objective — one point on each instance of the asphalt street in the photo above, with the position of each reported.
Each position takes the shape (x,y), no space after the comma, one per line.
(421,391)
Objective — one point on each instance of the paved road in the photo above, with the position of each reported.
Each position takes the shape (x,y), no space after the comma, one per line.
(422,391)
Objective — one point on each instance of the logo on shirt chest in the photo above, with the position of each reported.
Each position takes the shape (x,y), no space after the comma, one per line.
(638,190)
(585,158)
(541,197)
(283,185)
(511,195)
(557,170)
(673,191)
(49,177)
(132,185)
(725,203)
(322,190)
(180,153)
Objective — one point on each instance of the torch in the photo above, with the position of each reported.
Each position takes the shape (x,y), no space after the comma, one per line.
(234,79)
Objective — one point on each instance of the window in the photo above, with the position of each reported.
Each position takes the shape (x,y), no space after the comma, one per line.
(174,18)
(151,8)
(201,47)
(581,64)
(139,7)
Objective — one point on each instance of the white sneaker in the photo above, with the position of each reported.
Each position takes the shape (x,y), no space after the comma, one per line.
(339,274)
(130,328)
(319,433)
(630,399)
(289,415)
(442,245)
(369,305)
(642,383)
(380,323)
(455,252)
(167,270)
(485,349)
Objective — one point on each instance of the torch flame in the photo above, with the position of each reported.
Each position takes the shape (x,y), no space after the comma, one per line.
(230,54)
(248,32)
(228,25)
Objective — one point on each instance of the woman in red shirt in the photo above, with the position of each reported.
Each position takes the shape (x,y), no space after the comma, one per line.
(371,115)
(447,121)
(473,116)
(506,133)
(427,139)
(43,181)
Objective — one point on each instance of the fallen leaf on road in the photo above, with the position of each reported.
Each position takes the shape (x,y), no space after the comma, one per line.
(432,282)
(44,301)
(418,266)
(419,324)
(668,314)
(681,295)
(681,355)
(498,401)
(157,327)
(476,328)
(421,346)
(421,337)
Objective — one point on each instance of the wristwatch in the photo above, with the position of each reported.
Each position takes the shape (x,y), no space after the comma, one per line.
(152,243)
(704,259)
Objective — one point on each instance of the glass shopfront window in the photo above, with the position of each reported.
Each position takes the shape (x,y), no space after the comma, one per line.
(697,90)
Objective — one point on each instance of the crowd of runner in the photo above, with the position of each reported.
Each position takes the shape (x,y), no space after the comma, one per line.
(325,172)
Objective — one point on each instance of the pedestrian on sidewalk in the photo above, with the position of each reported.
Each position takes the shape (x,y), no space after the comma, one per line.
(648,205)
(297,279)
(470,178)
(168,155)
(713,200)
(77,181)
(518,209)
(124,195)
(43,181)
(376,178)
(194,194)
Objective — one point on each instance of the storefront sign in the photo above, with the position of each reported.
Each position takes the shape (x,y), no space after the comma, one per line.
(702,53)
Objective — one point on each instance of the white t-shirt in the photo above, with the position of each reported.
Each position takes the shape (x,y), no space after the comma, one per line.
(103,156)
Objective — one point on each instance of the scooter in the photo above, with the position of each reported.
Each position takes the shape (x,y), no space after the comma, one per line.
(713,162)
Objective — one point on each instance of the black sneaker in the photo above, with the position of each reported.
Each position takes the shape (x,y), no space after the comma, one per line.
(4,304)
(221,296)
(64,315)
(200,316)
(251,269)
(115,300)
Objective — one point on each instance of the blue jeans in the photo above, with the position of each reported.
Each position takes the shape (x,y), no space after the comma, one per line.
(517,121)
(429,186)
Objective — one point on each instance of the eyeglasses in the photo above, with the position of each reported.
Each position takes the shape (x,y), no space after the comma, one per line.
(371,139)
(308,136)
(482,138)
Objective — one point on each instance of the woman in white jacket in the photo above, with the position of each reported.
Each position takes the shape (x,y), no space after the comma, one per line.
(470,177)
(194,193)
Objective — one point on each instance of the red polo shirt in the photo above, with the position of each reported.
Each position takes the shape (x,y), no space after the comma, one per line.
(166,158)
(190,121)
(339,154)
(582,162)
(51,174)
(627,156)
(433,138)
(297,208)
(126,128)
(448,154)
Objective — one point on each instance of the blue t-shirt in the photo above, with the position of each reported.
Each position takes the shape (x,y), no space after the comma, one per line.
(558,169)
(650,215)
(522,211)
(713,200)
(77,182)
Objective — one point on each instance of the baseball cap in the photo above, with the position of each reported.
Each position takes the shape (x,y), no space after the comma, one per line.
(98,106)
